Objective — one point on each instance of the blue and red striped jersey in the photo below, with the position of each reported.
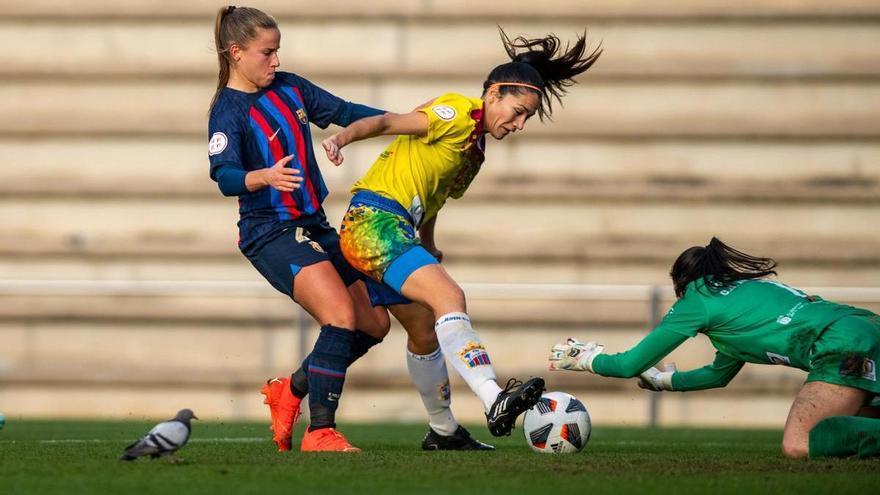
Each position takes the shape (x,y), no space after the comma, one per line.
(250,131)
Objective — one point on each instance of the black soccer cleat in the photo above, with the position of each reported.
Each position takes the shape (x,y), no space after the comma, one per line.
(460,440)
(516,398)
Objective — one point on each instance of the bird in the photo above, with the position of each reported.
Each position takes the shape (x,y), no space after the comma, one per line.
(164,439)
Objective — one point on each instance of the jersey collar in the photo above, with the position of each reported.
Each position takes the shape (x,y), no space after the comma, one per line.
(478,136)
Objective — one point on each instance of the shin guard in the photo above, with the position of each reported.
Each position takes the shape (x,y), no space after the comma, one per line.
(464,349)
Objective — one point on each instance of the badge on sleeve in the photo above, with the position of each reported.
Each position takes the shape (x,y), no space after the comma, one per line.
(217,144)
(445,112)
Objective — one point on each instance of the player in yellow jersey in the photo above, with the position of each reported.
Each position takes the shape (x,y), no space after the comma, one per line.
(438,152)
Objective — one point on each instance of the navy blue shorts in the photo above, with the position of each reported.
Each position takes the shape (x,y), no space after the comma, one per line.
(381,294)
(280,259)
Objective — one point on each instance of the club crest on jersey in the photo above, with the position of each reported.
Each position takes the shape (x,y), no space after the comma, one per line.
(474,355)
(301,115)
(445,112)
(217,143)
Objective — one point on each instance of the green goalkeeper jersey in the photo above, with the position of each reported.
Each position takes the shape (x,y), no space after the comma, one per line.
(755,321)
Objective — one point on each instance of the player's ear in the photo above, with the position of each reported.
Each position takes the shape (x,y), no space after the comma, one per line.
(493,95)
(235,52)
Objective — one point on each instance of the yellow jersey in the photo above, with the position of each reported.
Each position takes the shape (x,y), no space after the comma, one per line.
(420,173)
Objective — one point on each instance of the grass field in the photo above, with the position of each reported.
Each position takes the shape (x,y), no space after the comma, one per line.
(80,457)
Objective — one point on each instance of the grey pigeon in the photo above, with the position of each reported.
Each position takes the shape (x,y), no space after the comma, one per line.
(164,439)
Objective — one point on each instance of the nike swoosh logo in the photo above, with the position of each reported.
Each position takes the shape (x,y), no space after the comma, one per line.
(272,137)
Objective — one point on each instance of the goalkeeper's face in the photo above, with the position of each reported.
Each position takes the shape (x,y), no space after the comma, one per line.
(508,113)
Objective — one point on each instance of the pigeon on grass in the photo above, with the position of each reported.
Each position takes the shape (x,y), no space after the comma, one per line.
(164,439)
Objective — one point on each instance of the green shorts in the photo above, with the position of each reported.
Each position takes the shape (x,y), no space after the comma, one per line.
(847,353)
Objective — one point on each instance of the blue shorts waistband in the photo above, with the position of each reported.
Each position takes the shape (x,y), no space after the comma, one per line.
(376,200)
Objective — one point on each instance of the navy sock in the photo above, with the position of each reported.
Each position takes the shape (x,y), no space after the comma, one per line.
(361,344)
(299,380)
(326,372)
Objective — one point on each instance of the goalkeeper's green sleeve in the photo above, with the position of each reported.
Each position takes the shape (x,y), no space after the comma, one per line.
(645,354)
(715,375)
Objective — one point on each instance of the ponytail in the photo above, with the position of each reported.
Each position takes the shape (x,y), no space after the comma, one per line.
(543,63)
(720,264)
(235,26)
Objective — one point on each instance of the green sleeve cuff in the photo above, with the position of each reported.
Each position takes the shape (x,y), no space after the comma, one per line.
(716,375)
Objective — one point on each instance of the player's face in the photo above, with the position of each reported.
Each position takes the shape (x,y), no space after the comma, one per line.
(508,113)
(257,62)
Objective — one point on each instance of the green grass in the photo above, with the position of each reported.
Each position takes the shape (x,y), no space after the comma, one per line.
(80,457)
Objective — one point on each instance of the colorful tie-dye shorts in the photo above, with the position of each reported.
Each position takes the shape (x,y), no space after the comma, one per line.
(378,238)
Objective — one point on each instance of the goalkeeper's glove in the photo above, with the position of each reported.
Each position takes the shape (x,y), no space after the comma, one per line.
(574,355)
(656,380)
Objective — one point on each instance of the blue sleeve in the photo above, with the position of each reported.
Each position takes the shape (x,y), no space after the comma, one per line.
(230,179)
(225,151)
(352,112)
(325,108)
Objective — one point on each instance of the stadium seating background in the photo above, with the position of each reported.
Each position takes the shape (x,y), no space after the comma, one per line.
(757,121)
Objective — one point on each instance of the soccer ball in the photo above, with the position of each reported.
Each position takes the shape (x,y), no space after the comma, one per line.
(558,424)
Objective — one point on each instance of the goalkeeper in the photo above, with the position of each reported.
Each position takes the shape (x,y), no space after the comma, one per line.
(726,295)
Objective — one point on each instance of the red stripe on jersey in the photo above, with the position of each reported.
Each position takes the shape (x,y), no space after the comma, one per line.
(300,143)
(277,154)
(302,150)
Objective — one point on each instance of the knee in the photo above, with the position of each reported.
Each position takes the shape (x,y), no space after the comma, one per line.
(450,300)
(794,449)
(457,295)
(343,317)
(377,326)
(423,343)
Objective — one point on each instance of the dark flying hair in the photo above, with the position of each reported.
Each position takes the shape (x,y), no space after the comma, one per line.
(542,62)
(720,264)
(235,26)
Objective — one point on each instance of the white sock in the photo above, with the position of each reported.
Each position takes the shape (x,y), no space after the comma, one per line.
(428,373)
(464,349)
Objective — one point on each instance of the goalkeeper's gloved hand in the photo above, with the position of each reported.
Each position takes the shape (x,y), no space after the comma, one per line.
(656,380)
(574,355)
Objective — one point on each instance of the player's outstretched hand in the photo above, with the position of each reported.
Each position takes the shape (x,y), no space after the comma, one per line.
(281,177)
(656,380)
(574,355)
(333,150)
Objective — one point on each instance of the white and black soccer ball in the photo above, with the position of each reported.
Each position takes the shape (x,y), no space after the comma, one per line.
(558,424)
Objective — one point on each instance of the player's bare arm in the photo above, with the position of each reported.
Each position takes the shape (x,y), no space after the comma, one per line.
(406,124)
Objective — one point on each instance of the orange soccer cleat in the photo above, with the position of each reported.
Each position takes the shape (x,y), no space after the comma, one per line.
(326,440)
(284,407)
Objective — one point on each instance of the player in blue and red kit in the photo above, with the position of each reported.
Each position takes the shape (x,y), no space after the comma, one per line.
(260,150)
